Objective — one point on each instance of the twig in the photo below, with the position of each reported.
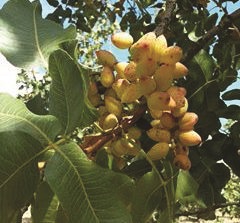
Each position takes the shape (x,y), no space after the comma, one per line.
(165,17)
(94,142)
(100,141)
(209,209)
(223,25)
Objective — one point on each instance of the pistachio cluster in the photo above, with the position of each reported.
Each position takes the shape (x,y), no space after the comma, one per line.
(148,77)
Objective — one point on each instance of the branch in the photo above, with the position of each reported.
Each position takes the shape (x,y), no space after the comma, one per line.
(223,25)
(93,143)
(209,209)
(165,17)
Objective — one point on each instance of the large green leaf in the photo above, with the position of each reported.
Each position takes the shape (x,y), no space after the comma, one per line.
(147,197)
(201,70)
(211,177)
(208,123)
(45,207)
(26,38)
(87,192)
(187,187)
(214,148)
(14,116)
(204,64)
(68,101)
(19,174)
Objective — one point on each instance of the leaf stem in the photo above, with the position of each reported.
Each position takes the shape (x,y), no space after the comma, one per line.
(172,187)
(162,181)
(200,88)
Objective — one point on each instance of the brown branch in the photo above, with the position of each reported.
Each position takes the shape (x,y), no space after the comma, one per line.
(92,143)
(99,141)
(165,17)
(223,25)
(206,210)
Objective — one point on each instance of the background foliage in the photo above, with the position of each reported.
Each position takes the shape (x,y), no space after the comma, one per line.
(44,121)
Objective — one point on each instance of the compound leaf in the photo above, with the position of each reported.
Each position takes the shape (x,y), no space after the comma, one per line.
(91,194)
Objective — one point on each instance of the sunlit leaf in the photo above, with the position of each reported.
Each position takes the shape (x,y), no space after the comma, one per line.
(68,100)
(27,39)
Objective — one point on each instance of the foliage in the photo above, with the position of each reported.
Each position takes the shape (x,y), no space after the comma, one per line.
(75,185)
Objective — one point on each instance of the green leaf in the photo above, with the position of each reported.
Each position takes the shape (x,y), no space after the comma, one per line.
(231,95)
(91,194)
(187,187)
(201,70)
(212,95)
(53,3)
(147,196)
(26,39)
(222,51)
(71,47)
(14,116)
(137,168)
(19,173)
(231,112)
(68,100)
(211,21)
(102,158)
(209,191)
(205,64)
(232,159)
(226,78)
(211,177)
(37,105)
(235,133)
(220,175)
(45,207)
(61,215)
(213,148)
(208,123)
